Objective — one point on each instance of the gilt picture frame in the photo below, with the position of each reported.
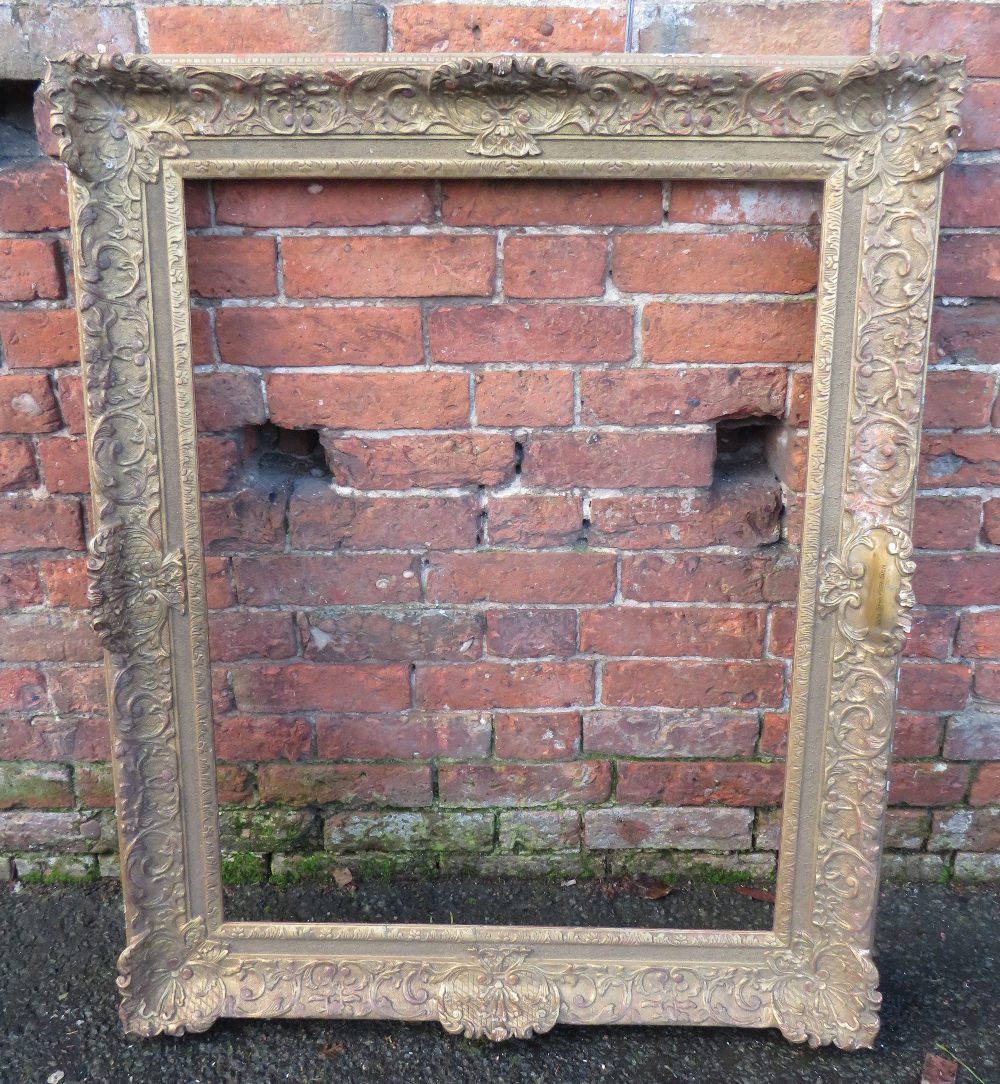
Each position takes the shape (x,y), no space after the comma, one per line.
(876,133)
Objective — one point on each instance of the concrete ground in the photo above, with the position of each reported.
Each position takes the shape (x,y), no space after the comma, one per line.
(938,952)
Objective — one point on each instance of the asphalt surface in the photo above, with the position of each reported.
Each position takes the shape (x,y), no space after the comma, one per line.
(938,952)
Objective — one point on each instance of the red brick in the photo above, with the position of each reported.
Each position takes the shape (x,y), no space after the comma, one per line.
(39,338)
(916,736)
(29,523)
(745,332)
(219,591)
(326,581)
(505,685)
(959,459)
(17,464)
(958,400)
(534,578)
(71,402)
(414,736)
(27,404)
(687,684)
(980,117)
(65,581)
(524,397)
(534,522)
(974,735)
(309,687)
(42,738)
(95,786)
(979,635)
(540,267)
(236,635)
(731,514)
(248,521)
(79,689)
(705,263)
(19,586)
(322,519)
(961,579)
(968,265)
(345,784)
(824,29)
(552,203)
(531,333)
(424,266)
(694,577)
(509,785)
(947,523)
(968,333)
(417,400)
(732,203)
(616,460)
(323,203)
(232,266)
(629,827)
(409,462)
(991,521)
(467,28)
(987,682)
(29,786)
(197,204)
(392,636)
(986,787)
(228,400)
(713,632)
(524,633)
(33,197)
(675,396)
(646,733)
(47,637)
(218,461)
(22,689)
(262,737)
(927,783)
(930,636)
(30,269)
(324,336)
(548,736)
(787,454)
(971,29)
(970,195)
(934,686)
(719,783)
(64,464)
(978,830)
(774,734)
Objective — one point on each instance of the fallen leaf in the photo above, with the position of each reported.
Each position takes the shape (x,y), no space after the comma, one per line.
(343,878)
(649,888)
(331,1050)
(939,1070)
(752,893)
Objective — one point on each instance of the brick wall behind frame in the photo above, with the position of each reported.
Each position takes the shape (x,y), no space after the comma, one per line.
(501,484)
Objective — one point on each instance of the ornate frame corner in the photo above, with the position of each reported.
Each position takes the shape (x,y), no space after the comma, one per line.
(876,132)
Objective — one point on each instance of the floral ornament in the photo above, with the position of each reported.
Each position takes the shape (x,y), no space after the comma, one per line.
(173,980)
(498,997)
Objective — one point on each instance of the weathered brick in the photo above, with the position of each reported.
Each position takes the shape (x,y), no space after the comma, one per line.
(70,389)
(714,632)
(549,203)
(366,831)
(733,783)
(985,789)
(615,460)
(991,522)
(419,400)
(751,331)
(732,203)
(689,684)
(968,199)
(960,579)
(680,396)
(424,266)
(323,203)
(966,830)
(232,266)
(18,469)
(505,685)
(504,785)
(532,736)
(979,635)
(524,397)
(981,117)
(345,784)
(248,521)
(46,738)
(967,333)
(392,636)
(545,332)
(934,686)
(647,733)
(33,197)
(20,585)
(237,635)
(30,786)
(627,828)
(524,632)
(320,518)
(64,464)
(505,576)
(705,263)
(695,577)
(532,521)
(39,338)
(94,786)
(969,28)
(974,735)
(538,829)
(27,404)
(916,735)
(958,400)
(268,829)
(426,462)
(320,687)
(947,523)
(930,636)
(552,267)
(959,459)
(29,523)
(262,737)
(228,400)
(968,265)
(70,833)
(416,735)
(47,637)
(321,336)
(737,514)
(78,689)
(325,581)
(927,783)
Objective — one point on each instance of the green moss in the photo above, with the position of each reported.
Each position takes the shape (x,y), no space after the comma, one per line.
(243,868)
(58,874)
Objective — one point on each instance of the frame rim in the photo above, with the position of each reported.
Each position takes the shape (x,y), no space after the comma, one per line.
(879,131)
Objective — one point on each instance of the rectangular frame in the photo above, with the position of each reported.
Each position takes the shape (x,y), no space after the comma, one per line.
(876,132)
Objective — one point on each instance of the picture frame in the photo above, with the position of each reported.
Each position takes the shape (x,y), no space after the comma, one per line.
(876,133)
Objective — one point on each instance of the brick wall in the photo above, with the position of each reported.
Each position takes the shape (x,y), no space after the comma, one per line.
(501,489)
